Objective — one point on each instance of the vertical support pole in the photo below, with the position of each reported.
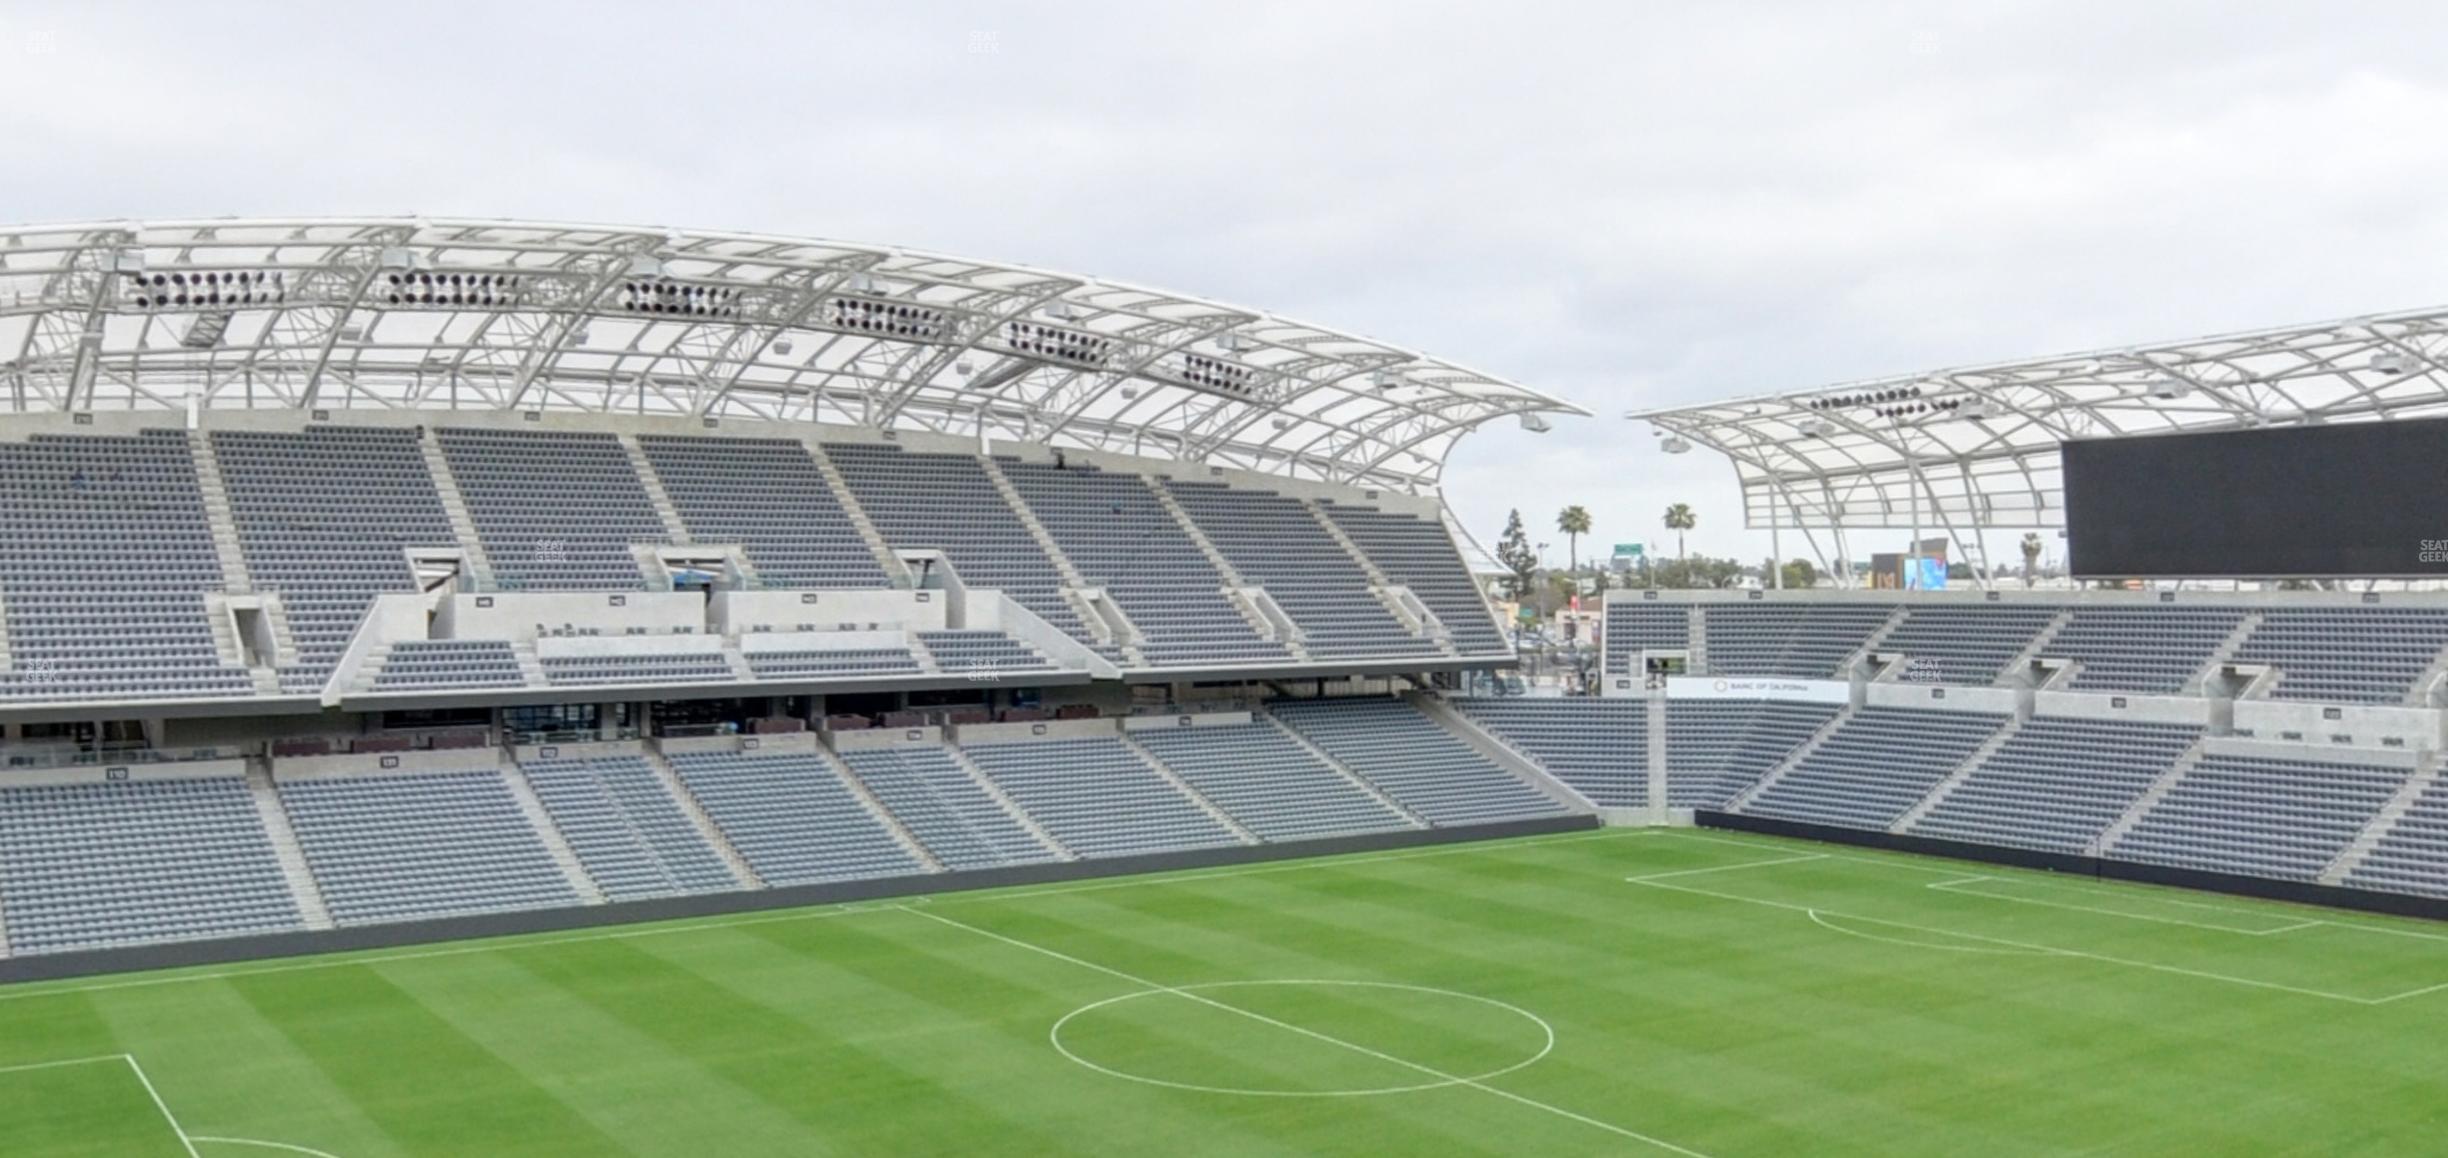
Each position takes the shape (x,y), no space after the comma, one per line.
(1776,540)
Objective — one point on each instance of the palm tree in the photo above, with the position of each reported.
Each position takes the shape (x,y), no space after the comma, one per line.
(2031,555)
(1679,518)
(1574,521)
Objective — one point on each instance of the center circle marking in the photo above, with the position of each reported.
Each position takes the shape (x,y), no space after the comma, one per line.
(1546,1044)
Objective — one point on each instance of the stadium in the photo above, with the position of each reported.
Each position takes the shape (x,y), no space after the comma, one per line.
(513,688)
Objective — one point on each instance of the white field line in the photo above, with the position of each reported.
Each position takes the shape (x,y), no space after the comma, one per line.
(260,1144)
(186,1139)
(2046,949)
(97,1059)
(37,989)
(2128,888)
(1312,1034)
(164,1107)
(2411,993)
(2133,889)
(185,1142)
(1823,923)
(1963,888)
(1958,881)
(1749,864)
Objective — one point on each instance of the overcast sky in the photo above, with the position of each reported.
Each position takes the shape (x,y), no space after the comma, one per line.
(1622,204)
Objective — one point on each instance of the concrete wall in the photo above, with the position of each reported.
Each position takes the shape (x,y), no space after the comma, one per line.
(2326,723)
(862,738)
(383,763)
(1754,688)
(1942,697)
(1033,730)
(1195,720)
(515,614)
(764,641)
(2272,749)
(2193,710)
(107,773)
(740,612)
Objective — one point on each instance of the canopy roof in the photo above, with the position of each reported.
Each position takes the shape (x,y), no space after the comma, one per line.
(1977,446)
(336,313)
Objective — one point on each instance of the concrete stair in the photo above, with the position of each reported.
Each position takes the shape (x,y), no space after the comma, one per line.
(2023,659)
(1791,761)
(1661,794)
(1359,558)
(550,833)
(284,640)
(1696,659)
(2426,772)
(375,657)
(1190,527)
(885,556)
(673,528)
(1010,807)
(1938,794)
(531,668)
(1503,755)
(1413,615)
(1355,779)
(908,840)
(1878,639)
(1183,786)
(2427,685)
(1071,576)
(705,825)
(303,889)
(463,526)
(224,525)
(2149,799)
(2225,654)
(926,658)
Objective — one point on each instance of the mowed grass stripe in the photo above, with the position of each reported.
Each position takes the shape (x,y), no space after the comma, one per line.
(229,1072)
(628,1083)
(92,1109)
(429,1087)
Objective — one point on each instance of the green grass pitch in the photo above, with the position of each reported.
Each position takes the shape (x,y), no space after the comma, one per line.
(1619,992)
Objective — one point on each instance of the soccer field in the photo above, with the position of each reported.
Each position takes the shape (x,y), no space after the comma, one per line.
(1618,992)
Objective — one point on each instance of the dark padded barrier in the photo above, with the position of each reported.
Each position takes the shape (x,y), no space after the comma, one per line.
(2100,868)
(54,966)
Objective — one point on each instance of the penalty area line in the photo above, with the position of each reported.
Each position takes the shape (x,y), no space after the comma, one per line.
(2049,950)
(1355,1047)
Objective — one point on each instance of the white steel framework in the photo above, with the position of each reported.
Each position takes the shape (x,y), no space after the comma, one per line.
(1976,447)
(334,314)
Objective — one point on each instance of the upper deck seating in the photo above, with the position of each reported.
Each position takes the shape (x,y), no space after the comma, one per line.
(1276,542)
(558,510)
(768,496)
(326,517)
(1121,539)
(1418,553)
